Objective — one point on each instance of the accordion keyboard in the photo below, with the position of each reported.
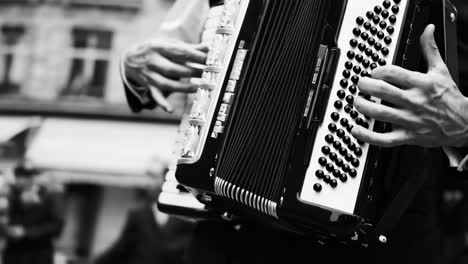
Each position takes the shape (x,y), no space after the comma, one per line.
(368,39)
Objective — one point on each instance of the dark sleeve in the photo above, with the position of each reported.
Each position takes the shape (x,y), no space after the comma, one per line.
(54,224)
(123,247)
(139,99)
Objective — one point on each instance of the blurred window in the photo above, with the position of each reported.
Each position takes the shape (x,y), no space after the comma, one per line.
(11,36)
(89,63)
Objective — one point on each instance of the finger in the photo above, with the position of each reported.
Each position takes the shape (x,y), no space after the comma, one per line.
(399,76)
(160,99)
(182,52)
(389,139)
(201,47)
(171,69)
(167,85)
(384,91)
(430,50)
(387,114)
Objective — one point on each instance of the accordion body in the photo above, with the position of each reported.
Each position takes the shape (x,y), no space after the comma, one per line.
(269,131)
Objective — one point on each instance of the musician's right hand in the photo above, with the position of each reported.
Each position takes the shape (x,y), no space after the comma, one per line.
(160,64)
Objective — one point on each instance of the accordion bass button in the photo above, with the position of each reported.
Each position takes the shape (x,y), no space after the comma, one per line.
(349,157)
(345,168)
(360,20)
(352,173)
(377,9)
(329,138)
(386,3)
(344,122)
(322,161)
(349,65)
(361,47)
(346,140)
(364,36)
(333,156)
(335,116)
(365,63)
(356,32)
(317,187)
(319,174)
(339,162)
(378,46)
(338,104)
(385,14)
(348,108)
(332,127)
(392,19)
(355,162)
(383,24)
(365,74)
(340,133)
(358,152)
(352,146)
(376,19)
(380,35)
(333,183)
(343,177)
(367,25)
(337,145)
(388,40)
(336,173)
(325,150)
(395,9)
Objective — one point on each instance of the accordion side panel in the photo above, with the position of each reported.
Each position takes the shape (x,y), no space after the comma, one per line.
(343,197)
(195,166)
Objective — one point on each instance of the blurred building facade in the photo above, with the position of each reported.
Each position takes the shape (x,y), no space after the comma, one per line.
(64,55)
(68,51)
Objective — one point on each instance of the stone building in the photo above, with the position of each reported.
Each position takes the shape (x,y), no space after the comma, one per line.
(64,54)
(61,57)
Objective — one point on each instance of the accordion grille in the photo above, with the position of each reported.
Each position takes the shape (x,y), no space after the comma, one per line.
(255,157)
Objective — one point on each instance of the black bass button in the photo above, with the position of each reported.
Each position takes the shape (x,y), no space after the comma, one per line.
(319,174)
(317,187)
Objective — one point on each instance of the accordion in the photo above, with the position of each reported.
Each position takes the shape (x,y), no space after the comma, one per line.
(269,131)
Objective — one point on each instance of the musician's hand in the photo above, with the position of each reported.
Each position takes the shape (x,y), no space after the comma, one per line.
(158,65)
(428,110)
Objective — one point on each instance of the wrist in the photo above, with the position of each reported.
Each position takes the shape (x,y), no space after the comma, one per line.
(464,116)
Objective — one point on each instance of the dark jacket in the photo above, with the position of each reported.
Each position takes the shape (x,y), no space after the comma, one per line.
(143,241)
(43,221)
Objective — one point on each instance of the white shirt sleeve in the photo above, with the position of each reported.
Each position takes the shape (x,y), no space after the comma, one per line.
(185,20)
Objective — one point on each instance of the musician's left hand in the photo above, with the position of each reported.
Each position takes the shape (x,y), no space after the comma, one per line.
(429,109)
